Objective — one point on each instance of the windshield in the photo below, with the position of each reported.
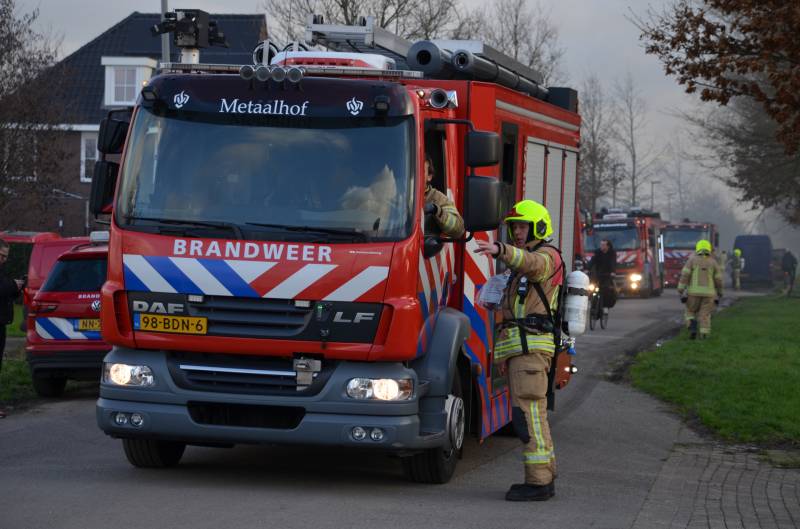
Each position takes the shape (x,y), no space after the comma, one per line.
(622,238)
(275,178)
(76,275)
(683,238)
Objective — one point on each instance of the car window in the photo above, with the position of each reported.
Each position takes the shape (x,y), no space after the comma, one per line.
(83,275)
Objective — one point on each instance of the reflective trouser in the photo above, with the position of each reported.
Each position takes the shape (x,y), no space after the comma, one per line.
(737,283)
(528,380)
(700,308)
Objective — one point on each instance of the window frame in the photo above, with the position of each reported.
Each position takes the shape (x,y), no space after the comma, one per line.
(87,178)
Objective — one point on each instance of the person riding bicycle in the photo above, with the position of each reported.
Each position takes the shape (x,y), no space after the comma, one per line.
(602,268)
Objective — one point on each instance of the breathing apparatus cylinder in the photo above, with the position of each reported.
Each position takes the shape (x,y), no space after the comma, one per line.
(577,303)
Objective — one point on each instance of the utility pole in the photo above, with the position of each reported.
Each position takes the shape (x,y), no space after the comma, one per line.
(652,193)
(165,36)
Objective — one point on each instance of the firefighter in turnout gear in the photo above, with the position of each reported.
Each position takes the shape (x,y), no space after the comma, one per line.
(700,287)
(737,263)
(441,207)
(526,338)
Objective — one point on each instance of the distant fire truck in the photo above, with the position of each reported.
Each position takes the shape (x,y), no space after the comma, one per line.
(679,244)
(271,275)
(636,237)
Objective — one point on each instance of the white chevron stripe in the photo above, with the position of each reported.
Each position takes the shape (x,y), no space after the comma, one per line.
(299,281)
(67,328)
(356,287)
(423,278)
(469,289)
(42,332)
(200,276)
(249,271)
(437,276)
(147,274)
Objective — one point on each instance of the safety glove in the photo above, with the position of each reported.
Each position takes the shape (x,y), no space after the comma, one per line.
(684,297)
(431,209)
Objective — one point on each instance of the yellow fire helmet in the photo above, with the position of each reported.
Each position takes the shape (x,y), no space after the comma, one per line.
(702,246)
(738,252)
(533,213)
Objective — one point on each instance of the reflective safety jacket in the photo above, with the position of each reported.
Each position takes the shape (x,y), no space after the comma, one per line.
(736,262)
(701,276)
(536,264)
(447,216)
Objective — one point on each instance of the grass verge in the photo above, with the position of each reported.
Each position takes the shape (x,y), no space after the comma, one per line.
(12,329)
(15,382)
(742,382)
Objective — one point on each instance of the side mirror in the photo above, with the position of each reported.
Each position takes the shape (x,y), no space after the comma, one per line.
(483,208)
(112,133)
(483,148)
(104,182)
(431,246)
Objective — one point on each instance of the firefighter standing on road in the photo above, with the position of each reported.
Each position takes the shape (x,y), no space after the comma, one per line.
(737,263)
(700,288)
(441,207)
(526,339)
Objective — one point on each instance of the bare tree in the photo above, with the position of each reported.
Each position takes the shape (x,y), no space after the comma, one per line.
(680,183)
(630,121)
(30,152)
(597,160)
(525,32)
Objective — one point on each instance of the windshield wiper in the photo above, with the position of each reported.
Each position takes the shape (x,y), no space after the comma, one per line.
(235,228)
(348,232)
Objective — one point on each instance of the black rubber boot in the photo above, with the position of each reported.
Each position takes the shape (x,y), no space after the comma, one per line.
(693,329)
(525,492)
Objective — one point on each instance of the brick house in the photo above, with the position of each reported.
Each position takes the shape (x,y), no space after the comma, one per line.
(107,73)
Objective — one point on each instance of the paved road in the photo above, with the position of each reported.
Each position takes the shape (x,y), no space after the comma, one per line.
(58,470)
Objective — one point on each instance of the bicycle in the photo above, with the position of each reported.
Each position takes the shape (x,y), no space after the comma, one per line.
(596,312)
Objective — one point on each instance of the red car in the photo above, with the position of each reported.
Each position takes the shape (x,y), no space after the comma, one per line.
(63,335)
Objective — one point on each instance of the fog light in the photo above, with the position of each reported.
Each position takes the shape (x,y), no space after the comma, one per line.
(121,419)
(137,420)
(359,433)
(278,74)
(376,434)
(572,369)
(635,278)
(262,73)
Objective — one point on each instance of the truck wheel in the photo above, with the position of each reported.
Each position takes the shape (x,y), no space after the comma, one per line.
(49,387)
(149,453)
(437,465)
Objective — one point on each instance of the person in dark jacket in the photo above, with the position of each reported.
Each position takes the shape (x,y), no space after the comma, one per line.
(602,268)
(789,266)
(9,290)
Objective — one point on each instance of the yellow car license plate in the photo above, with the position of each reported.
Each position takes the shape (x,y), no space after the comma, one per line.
(87,324)
(176,324)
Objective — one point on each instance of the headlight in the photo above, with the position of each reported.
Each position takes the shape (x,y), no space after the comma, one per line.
(591,287)
(635,278)
(128,375)
(380,388)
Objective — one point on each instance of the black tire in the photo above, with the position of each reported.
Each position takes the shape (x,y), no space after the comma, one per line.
(49,387)
(149,453)
(437,465)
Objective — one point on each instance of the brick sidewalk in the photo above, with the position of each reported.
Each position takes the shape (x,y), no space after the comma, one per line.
(710,486)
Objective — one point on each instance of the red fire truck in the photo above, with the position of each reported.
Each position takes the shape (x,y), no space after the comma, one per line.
(636,237)
(271,275)
(679,242)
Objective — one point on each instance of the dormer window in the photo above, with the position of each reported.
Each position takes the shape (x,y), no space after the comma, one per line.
(124,78)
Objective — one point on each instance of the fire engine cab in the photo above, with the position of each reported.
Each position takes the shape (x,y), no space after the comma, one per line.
(679,244)
(272,277)
(636,237)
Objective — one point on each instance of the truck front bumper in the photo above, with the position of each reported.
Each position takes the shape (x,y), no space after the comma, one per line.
(169,412)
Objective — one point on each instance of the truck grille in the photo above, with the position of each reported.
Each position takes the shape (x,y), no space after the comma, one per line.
(246,415)
(251,317)
(221,373)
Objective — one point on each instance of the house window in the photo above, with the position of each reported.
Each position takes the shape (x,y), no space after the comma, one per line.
(88,155)
(124,78)
(124,85)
